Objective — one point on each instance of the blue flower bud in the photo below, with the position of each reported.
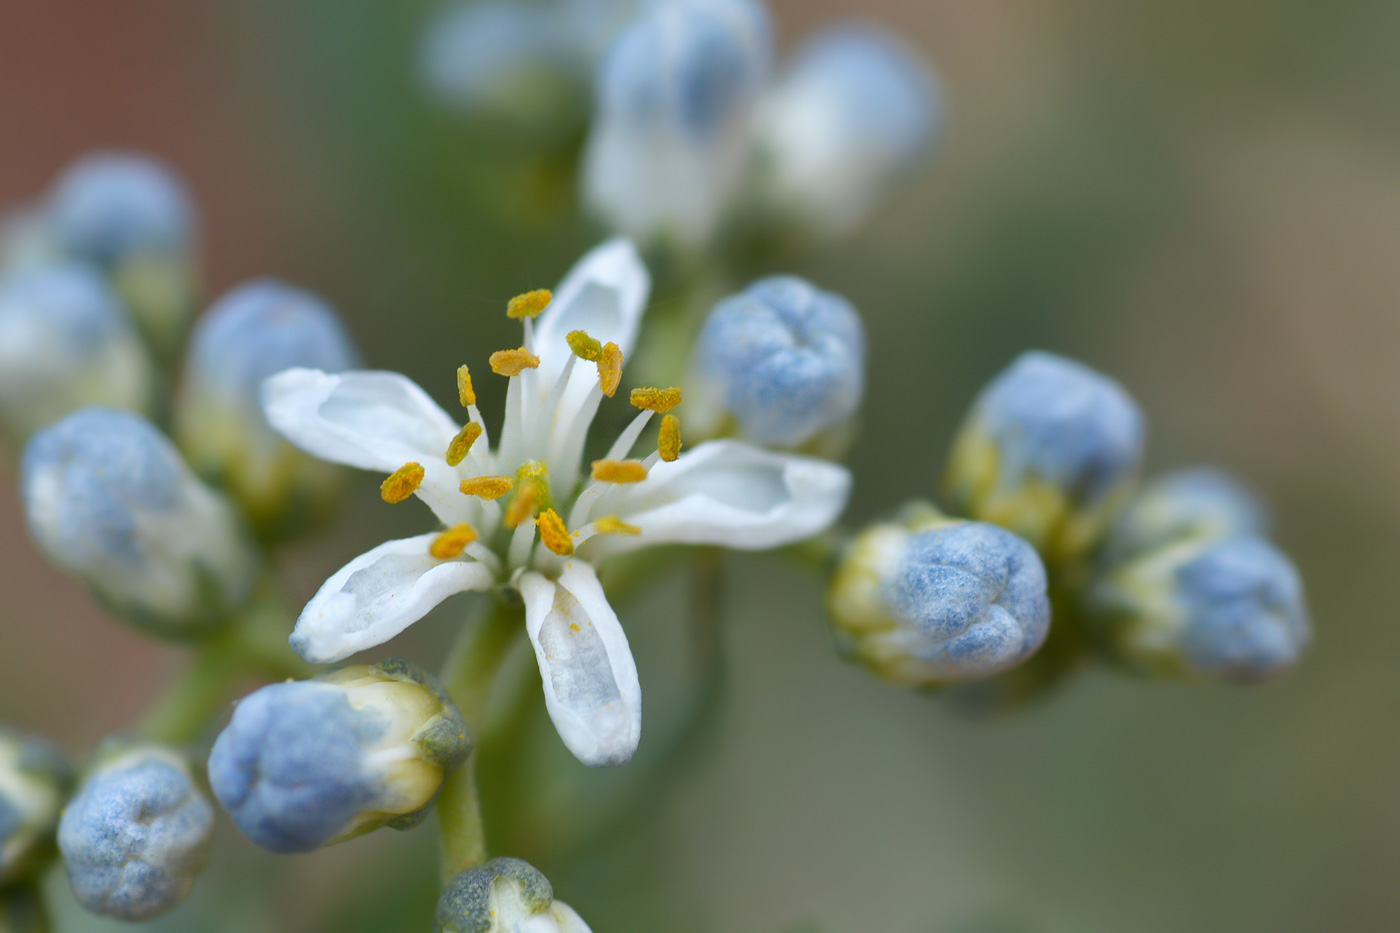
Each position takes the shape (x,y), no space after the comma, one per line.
(65,342)
(135,835)
(505,895)
(1198,503)
(256,331)
(109,500)
(1231,609)
(34,783)
(1051,450)
(856,111)
(784,359)
(516,61)
(671,133)
(130,215)
(309,763)
(926,601)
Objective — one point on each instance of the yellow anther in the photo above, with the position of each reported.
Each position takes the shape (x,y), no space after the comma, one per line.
(610,369)
(522,507)
(452,542)
(612,525)
(403,483)
(513,362)
(619,471)
(529,304)
(554,533)
(465,393)
(668,439)
(657,400)
(462,444)
(584,346)
(487,487)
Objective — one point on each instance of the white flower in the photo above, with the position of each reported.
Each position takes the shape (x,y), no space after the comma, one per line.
(524,512)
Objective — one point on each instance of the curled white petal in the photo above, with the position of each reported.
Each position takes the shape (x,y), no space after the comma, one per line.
(590,680)
(379,594)
(732,494)
(371,420)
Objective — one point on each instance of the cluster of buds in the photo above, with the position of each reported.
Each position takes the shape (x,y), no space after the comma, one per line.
(1174,579)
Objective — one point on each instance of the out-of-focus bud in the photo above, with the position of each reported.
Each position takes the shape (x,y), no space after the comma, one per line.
(1051,450)
(785,360)
(136,834)
(505,895)
(854,114)
(66,342)
(34,783)
(509,60)
(1231,609)
(109,500)
(130,215)
(256,331)
(925,601)
(309,763)
(672,134)
(1201,503)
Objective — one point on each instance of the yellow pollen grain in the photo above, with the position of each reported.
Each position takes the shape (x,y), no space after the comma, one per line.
(403,483)
(462,444)
(574,627)
(529,304)
(554,533)
(668,439)
(657,400)
(452,542)
(610,369)
(465,393)
(612,525)
(584,346)
(487,487)
(513,362)
(522,506)
(619,471)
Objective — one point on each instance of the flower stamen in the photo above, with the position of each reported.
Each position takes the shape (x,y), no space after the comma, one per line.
(554,533)
(613,525)
(402,483)
(668,439)
(486,487)
(619,471)
(530,304)
(452,542)
(585,347)
(466,394)
(462,444)
(610,369)
(513,362)
(657,400)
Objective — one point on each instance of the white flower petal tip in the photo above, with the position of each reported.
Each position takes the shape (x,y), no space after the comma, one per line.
(736,495)
(379,594)
(605,294)
(590,680)
(366,419)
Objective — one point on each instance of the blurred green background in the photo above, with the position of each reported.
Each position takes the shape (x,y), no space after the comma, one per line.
(1202,199)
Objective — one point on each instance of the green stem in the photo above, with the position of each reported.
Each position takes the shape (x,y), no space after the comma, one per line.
(469,676)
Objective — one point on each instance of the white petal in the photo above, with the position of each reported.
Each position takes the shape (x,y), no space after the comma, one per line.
(379,594)
(732,494)
(590,679)
(372,420)
(604,294)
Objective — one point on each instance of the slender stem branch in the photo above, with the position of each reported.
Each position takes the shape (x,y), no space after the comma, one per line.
(469,676)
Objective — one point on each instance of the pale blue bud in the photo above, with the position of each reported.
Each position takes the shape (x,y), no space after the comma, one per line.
(1197,503)
(34,783)
(309,763)
(1051,450)
(512,60)
(255,331)
(926,601)
(136,835)
(1231,609)
(505,895)
(784,359)
(109,500)
(671,133)
(130,215)
(65,342)
(855,112)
